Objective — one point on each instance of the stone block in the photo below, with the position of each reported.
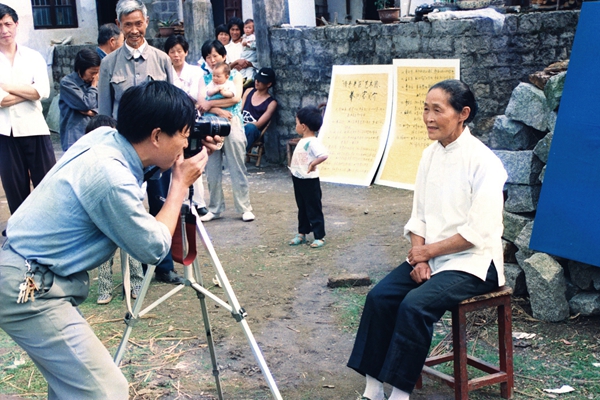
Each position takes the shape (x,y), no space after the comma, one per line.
(542,174)
(508,251)
(522,243)
(348,280)
(552,115)
(513,225)
(547,287)
(542,148)
(528,105)
(515,278)
(584,276)
(572,289)
(586,304)
(522,198)
(508,134)
(523,167)
(554,89)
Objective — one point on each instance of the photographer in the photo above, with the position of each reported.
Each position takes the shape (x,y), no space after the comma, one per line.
(89,204)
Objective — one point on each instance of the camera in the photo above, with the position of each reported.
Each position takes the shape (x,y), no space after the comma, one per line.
(203,127)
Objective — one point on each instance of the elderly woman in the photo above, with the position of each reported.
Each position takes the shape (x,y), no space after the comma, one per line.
(234,145)
(456,253)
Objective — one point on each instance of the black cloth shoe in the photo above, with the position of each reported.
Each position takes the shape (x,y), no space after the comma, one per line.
(169,277)
(4,231)
(202,211)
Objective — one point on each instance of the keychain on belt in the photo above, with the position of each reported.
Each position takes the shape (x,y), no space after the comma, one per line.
(28,287)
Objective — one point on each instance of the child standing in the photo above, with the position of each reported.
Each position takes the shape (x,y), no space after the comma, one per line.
(309,153)
(220,87)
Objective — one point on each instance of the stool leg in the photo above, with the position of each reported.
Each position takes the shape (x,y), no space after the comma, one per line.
(459,342)
(505,347)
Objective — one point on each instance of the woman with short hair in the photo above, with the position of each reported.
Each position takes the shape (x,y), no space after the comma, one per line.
(78,101)
(234,145)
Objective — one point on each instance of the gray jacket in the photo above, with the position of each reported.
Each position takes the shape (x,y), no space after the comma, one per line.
(119,71)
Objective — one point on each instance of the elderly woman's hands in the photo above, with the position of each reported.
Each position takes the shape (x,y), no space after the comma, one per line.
(421,272)
(419,254)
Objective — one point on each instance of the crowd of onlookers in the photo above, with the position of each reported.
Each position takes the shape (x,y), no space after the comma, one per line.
(227,82)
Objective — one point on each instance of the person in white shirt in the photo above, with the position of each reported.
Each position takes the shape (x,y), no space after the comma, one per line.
(26,152)
(235,47)
(187,78)
(455,231)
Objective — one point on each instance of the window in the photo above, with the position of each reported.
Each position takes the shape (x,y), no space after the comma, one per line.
(52,14)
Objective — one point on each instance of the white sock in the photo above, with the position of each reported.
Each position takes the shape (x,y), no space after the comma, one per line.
(398,394)
(374,389)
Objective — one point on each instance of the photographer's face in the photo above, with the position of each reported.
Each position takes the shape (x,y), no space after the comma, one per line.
(171,147)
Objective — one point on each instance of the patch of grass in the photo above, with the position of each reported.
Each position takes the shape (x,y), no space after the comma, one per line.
(18,374)
(350,305)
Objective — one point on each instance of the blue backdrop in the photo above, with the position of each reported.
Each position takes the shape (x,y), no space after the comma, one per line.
(567,223)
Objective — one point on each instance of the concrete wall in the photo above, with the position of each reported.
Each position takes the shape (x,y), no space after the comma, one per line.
(492,63)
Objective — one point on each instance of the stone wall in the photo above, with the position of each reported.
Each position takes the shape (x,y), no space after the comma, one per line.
(492,63)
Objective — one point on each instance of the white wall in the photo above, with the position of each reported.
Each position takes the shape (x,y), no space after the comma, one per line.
(247,10)
(301,13)
(39,39)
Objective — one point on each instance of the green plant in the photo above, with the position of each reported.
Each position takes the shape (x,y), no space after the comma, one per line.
(165,23)
(381,4)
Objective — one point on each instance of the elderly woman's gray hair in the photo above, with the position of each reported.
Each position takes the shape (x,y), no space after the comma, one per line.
(126,7)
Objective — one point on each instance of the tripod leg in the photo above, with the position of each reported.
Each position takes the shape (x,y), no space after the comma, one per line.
(238,312)
(207,329)
(129,319)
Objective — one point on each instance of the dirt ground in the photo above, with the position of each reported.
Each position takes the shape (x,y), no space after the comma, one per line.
(291,312)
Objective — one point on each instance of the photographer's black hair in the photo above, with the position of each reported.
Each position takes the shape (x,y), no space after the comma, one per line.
(311,117)
(154,104)
(236,21)
(107,31)
(84,59)
(221,29)
(460,96)
(6,10)
(100,120)
(213,44)
(174,40)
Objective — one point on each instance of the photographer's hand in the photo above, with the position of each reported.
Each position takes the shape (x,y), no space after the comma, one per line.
(212,143)
(185,173)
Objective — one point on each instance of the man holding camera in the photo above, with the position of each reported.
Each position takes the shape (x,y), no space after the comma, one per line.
(90,203)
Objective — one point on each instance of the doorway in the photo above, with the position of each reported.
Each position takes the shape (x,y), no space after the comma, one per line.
(106,10)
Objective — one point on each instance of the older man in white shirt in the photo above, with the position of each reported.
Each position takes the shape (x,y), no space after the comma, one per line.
(26,152)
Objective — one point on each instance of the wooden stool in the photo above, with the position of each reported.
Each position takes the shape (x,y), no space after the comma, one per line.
(259,144)
(503,375)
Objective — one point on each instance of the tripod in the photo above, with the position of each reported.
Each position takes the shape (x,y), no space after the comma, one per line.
(190,225)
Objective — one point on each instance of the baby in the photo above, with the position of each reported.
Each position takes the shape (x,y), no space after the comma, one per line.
(221,86)
(249,50)
(249,41)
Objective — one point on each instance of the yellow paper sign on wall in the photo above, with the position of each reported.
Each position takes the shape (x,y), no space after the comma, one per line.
(356,123)
(408,135)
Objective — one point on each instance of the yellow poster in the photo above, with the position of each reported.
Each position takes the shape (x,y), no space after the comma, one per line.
(408,135)
(356,123)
